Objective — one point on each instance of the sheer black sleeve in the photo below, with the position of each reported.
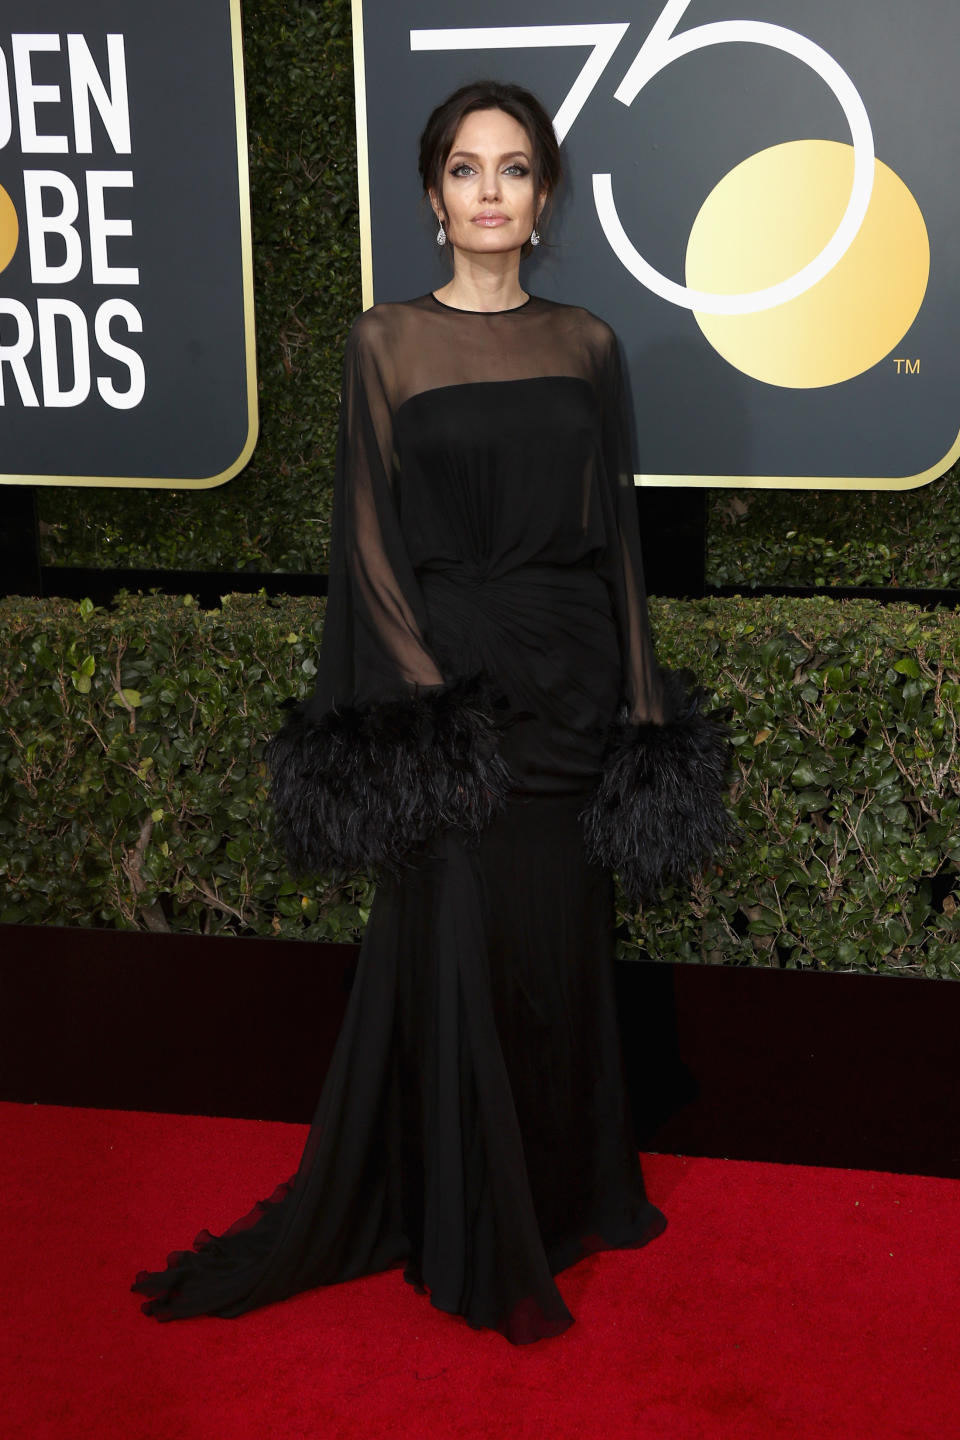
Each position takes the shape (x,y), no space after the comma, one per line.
(657,814)
(388,748)
(373,641)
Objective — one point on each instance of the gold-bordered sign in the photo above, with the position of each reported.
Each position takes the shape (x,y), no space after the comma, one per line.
(154,184)
(780,269)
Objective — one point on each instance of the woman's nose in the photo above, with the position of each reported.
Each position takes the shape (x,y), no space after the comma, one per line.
(491,187)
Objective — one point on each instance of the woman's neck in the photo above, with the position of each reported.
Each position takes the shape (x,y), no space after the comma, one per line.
(479,288)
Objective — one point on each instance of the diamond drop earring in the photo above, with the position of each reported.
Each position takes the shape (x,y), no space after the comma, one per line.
(441,235)
(534,237)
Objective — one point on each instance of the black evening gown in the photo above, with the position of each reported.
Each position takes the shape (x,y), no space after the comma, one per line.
(486,695)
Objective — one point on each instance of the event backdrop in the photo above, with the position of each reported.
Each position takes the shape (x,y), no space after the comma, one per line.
(126,312)
(765,208)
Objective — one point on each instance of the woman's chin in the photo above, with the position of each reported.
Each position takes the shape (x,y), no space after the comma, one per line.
(497,241)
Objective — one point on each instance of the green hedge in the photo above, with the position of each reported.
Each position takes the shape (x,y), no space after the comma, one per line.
(884,538)
(134,792)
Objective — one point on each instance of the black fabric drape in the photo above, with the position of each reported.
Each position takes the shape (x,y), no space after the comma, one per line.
(490,732)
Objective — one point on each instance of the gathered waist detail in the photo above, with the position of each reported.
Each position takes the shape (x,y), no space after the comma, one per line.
(545,634)
(475,573)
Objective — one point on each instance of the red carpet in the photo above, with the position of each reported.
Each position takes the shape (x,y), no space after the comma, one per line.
(782,1301)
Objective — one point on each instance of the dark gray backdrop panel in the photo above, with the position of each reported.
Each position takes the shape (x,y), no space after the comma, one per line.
(696,414)
(185,209)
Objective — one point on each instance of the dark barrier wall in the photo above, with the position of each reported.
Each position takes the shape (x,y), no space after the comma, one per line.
(745,1064)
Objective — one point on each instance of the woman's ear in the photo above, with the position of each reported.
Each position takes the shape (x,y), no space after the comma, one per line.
(435,203)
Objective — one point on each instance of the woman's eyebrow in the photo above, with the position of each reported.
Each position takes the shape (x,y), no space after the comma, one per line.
(472,155)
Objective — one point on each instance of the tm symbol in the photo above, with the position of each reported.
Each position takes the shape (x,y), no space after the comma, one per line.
(907,367)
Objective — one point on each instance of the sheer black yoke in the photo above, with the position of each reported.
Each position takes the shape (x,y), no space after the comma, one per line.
(501,433)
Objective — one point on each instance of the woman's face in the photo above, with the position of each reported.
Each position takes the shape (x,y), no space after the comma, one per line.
(488,202)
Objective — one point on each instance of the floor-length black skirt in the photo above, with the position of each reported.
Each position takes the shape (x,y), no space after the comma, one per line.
(474,1123)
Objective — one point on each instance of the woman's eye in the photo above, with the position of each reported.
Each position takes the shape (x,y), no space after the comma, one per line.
(463,168)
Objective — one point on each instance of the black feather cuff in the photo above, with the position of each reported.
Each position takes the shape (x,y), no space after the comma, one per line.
(361,786)
(657,814)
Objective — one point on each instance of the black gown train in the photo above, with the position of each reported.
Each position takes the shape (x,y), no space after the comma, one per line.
(489,731)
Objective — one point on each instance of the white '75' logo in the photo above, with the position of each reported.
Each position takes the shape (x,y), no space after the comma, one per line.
(661,47)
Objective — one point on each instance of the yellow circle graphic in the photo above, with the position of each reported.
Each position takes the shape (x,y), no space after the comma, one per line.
(9,229)
(765,220)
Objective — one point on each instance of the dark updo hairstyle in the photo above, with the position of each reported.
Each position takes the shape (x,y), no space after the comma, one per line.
(440,131)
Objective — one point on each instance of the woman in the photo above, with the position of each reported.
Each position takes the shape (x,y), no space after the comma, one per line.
(491,732)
